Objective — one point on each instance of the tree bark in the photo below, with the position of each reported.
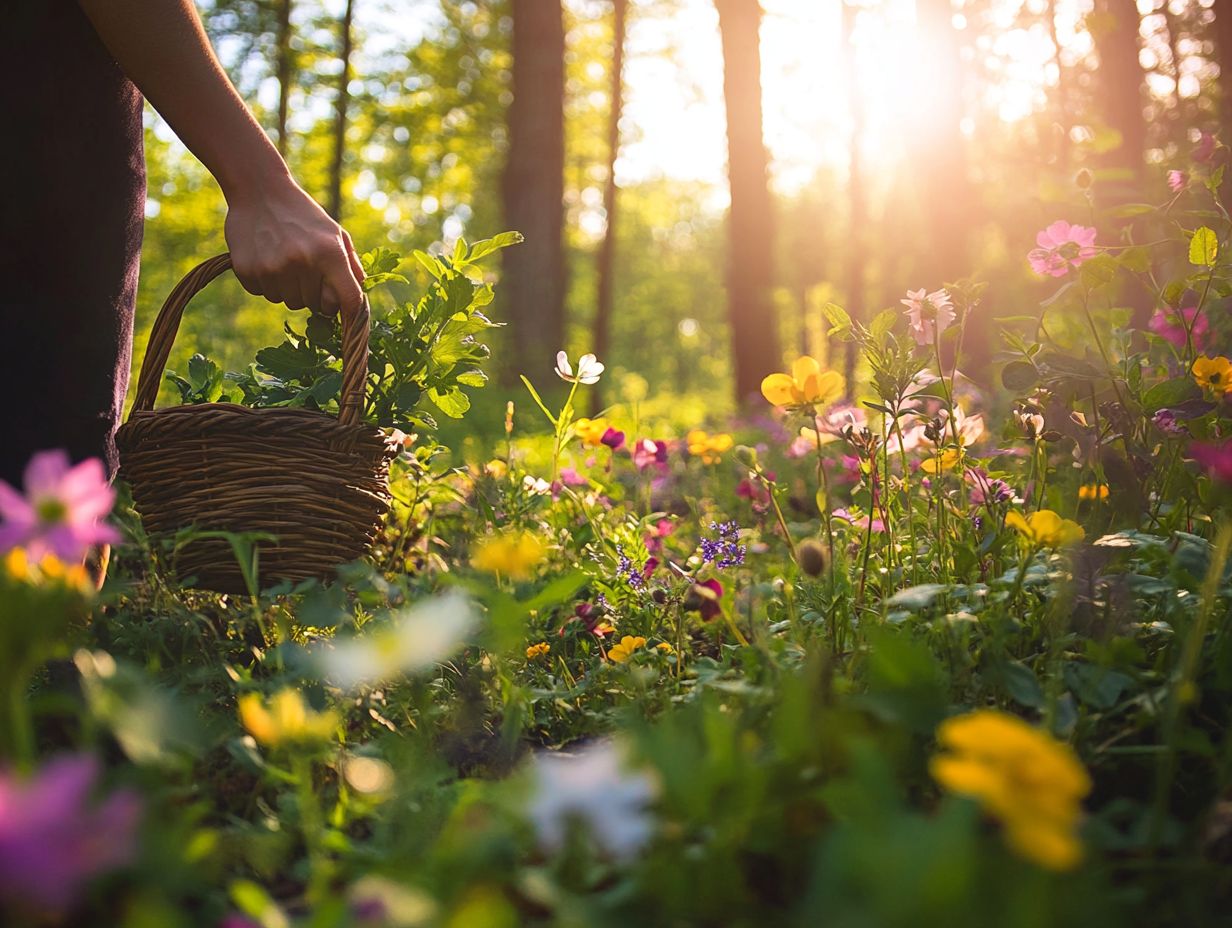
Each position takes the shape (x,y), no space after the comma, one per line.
(1115,33)
(750,262)
(340,114)
(283,41)
(1223,55)
(605,261)
(533,280)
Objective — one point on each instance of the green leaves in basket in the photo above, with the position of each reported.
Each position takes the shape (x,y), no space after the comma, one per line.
(423,350)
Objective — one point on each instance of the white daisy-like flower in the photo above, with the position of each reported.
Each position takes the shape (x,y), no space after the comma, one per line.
(536,486)
(413,639)
(588,370)
(593,786)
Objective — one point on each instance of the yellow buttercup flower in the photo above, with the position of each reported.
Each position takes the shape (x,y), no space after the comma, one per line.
(1213,374)
(49,570)
(622,651)
(709,448)
(807,385)
(1021,776)
(285,719)
(939,464)
(514,554)
(591,431)
(1045,529)
(538,650)
(665,647)
(496,469)
(1093,491)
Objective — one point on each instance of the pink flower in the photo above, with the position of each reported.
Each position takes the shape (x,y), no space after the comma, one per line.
(613,438)
(63,510)
(1216,460)
(1177,181)
(1062,246)
(705,598)
(928,314)
(54,839)
(861,523)
(654,539)
(571,478)
(1169,325)
(649,452)
(1166,421)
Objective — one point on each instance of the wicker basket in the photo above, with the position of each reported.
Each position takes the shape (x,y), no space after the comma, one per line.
(317,484)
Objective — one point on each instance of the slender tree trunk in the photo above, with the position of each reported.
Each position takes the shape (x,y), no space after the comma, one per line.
(605,262)
(1223,55)
(857,207)
(284,71)
(750,263)
(340,114)
(533,284)
(1064,96)
(1121,82)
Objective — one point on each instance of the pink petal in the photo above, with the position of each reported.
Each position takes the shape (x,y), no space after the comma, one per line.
(14,507)
(44,473)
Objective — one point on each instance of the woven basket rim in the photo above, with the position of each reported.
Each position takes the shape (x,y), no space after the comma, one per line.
(252,418)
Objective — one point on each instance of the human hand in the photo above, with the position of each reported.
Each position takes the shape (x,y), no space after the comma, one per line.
(286,248)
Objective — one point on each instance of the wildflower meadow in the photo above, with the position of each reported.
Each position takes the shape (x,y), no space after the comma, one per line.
(912,609)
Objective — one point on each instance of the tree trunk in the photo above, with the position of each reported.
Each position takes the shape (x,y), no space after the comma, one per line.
(1115,33)
(750,262)
(946,196)
(605,262)
(533,280)
(857,207)
(284,71)
(1223,55)
(340,115)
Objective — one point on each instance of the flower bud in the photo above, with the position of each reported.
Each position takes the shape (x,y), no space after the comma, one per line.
(812,557)
(746,456)
(1083,179)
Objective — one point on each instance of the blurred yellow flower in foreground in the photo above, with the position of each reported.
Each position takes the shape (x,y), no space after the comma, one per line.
(1214,374)
(708,447)
(496,469)
(286,718)
(47,570)
(806,385)
(1021,776)
(514,554)
(538,650)
(622,651)
(1045,528)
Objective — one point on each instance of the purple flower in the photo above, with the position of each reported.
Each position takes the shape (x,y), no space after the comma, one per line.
(648,452)
(1204,151)
(613,438)
(704,598)
(54,840)
(1166,421)
(985,489)
(1177,181)
(63,510)
(724,550)
(1216,460)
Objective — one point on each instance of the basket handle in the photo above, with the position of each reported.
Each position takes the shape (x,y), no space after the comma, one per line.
(162,335)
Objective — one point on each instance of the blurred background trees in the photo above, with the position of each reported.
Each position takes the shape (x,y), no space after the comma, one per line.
(697,178)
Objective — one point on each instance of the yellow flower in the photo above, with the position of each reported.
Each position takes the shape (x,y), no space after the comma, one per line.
(591,431)
(1045,529)
(49,570)
(514,554)
(708,447)
(1021,776)
(286,718)
(538,650)
(496,469)
(621,652)
(938,464)
(806,385)
(1214,374)
(665,647)
(1093,491)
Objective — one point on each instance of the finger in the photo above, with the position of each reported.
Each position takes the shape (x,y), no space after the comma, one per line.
(290,290)
(357,266)
(270,287)
(346,288)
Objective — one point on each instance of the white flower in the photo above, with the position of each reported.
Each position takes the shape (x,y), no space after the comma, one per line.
(595,787)
(588,370)
(928,314)
(413,639)
(535,486)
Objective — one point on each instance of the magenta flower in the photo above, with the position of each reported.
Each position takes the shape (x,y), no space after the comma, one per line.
(928,314)
(649,452)
(1216,460)
(63,510)
(1167,422)
(1204,151)
(704,598)
(862,522)
(654,539)
(613,438)
(54,840)
(1169,324)
(1177,181)
(1062,246)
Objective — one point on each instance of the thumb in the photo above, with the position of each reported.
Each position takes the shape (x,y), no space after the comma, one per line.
(340,289)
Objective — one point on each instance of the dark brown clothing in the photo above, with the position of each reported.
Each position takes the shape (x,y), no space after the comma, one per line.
(70,234)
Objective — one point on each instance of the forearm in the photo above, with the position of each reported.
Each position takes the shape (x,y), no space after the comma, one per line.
(163,48)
